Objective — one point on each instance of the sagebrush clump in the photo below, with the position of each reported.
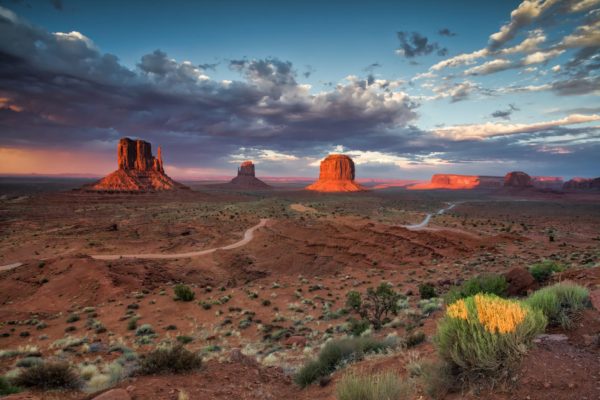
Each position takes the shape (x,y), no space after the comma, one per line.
(381,386)
(48,375)
(560,303)
(175,359)
(485,334)
(184,293)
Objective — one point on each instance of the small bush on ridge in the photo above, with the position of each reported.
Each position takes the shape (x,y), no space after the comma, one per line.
(542,271)
(489,283)
(184,293)
(174,359)
(48,375)
(376,305)
(560,303)
(336,353)
(427,291)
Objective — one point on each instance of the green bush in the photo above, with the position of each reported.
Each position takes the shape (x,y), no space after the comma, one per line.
(427,291)
(485,334)
(6,388)
(334,354)
(184,293)
(174,360)
(376,305)
(560,303)
(358,326)
(48,375)
(489,283)
(542,271)
(382,386)
(438,379)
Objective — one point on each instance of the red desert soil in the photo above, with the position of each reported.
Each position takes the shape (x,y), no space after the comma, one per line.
(291,278)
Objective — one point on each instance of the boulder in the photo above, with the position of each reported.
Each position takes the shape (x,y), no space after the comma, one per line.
(336,174)
(517,179)
(520,281)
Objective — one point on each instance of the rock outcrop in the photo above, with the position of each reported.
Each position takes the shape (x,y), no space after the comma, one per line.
(336,174)
(246,178)
(547,182)
(582,184)
(456,182)
(518,179)
(138,170)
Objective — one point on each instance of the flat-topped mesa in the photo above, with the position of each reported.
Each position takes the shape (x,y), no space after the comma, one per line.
(582,184)
(246,169)
(517,179)
(336,174)
(459,182)
(138,170)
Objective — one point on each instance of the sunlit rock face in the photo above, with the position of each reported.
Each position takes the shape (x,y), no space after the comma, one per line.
(547,182)
(336,175)
(460,182)
(138,170)
(246,178)
(517,179)
(582,184)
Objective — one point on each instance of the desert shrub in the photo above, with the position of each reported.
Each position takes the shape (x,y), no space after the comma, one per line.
(358,326)
(6,388)
(560,303)
(336,353)
(381,386)
(184,293)
(489,283)
(542,271)
(144,330)
(28,362)
(376,305)
(174,359)
(414,338)
(437,378)
(48,375)
(185,339)
(427,291)
(485,334)
(72,318)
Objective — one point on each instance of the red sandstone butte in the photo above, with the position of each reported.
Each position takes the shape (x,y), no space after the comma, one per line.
(246,178)
(138,171)
(459,182)
(336,175)
(517,179)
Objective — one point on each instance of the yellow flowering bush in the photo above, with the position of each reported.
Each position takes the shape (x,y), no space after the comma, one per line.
(485,334)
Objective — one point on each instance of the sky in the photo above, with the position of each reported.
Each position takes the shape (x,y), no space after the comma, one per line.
(407,89)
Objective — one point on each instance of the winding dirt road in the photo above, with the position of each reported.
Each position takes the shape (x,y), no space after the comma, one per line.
(428,217)
(248,236)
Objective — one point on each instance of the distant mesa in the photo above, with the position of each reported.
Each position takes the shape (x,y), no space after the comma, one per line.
(518,179)
(336,175)
(547,182)
(139,171)
(460,182)
(246,178)
(582,184)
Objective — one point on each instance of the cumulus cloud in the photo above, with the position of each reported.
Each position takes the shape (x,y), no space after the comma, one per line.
(60,88)
(490,67)
(446,32)
(413,44)
(491,129)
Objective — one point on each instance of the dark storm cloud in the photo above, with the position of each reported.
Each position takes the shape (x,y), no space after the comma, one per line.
(60,90)
(57,4)
(446,32)
(505,114)
(413,44)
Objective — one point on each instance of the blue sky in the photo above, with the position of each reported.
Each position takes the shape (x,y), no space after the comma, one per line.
(285,83)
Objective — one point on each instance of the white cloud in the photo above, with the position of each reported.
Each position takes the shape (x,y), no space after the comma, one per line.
(489,67)
(541,56)
(461,59)
(260,155)
(491,129)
